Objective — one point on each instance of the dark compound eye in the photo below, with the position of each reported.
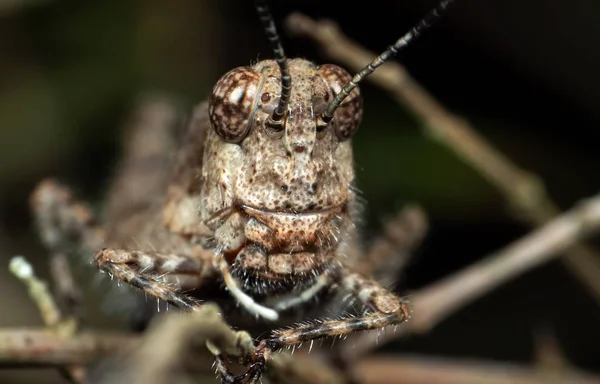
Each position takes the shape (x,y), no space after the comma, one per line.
(233,102)
(347,117)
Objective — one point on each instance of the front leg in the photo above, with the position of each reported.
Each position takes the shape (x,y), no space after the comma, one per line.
(386,309)
(145,270)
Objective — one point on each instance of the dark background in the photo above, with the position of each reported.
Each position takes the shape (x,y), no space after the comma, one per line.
(524,73)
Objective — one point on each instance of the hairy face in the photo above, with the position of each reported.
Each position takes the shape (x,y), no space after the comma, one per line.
(282,187)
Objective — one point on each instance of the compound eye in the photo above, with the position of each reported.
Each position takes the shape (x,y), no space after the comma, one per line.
(348,115)
(232,103)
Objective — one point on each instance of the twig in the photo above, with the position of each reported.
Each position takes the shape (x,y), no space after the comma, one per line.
(303,368)
(420,370)
(63,326)
(39,348)
(548,352)
(171,337)
(68,295)
(166,346)
(38,290)
(391,251)
(169,345)
(439,300)
(523,190)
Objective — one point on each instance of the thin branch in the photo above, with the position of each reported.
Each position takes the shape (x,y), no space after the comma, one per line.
(38,290)
(441,299)
(301,367)
(523,190)
(170,344)
(38,348)
(68,295)
(168,341)
(391,251)
(548,352)
(418,370)
(64,327)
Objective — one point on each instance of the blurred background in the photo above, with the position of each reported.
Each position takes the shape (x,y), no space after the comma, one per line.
(524,73)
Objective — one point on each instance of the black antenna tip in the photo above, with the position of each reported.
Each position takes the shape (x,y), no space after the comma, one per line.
(425,23)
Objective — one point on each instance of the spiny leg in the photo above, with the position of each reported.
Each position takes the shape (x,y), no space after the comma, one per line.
(62,221)
(143,270)
(142,175)
(389,253)
(387,309)
(64,224)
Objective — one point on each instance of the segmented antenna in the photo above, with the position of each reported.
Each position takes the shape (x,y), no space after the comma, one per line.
(265,16)
(431,18)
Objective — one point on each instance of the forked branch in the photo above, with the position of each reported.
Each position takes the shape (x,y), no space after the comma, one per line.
(56,322)
(439,300)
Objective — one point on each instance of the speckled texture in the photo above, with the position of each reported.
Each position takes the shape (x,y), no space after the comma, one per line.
(233,97)
(289,189)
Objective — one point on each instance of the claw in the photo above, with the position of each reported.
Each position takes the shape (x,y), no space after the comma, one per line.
(256,366)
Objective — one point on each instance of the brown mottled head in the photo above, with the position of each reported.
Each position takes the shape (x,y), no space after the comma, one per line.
(282,189)
(295,166)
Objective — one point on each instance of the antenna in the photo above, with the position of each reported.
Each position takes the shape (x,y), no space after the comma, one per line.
(425,23)
(265,16)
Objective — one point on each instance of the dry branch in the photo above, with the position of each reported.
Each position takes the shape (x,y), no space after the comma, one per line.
(439,300)
(63,326)
(68,295)
(523,190)
(419,370)
(38,291)
(175,342)
(41,347)
(548,351)
(31,347)
(169,341)
(431,305)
